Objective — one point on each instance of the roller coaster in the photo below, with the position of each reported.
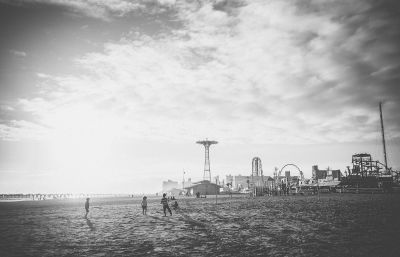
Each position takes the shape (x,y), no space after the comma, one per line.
(367,173)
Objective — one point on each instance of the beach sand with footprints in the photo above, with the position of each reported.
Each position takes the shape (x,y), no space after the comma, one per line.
(331,225)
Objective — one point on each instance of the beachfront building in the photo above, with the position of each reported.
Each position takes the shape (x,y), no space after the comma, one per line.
(175,192)
(203,187)
(229,179)
(216,180)
(261,185)
(262,181)
(186,183)
(325,175)
(168,185)
(242,183)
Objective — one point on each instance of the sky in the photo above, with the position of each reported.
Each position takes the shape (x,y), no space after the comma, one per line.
(110,96)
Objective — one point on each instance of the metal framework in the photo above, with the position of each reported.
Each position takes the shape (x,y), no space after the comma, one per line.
(368,173)
(256,174)
(207,172)
(294,165)
(277,183)
(364,166)
(256,167)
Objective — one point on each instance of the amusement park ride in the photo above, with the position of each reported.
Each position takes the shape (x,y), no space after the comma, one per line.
(365,172)
(258,186)
(257,177)
(207,143)
(279,184)
(369,173)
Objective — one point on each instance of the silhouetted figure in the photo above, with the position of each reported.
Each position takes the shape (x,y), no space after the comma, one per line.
(87,207)
(144,205)
(164,202)
(175,205)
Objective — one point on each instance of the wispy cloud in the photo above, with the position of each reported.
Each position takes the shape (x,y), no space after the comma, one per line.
(18,53)
(104,9)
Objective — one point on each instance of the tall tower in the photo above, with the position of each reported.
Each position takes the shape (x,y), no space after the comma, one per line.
(256,167)
(207,143)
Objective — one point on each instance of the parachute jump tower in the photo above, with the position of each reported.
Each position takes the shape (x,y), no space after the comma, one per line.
(207,143)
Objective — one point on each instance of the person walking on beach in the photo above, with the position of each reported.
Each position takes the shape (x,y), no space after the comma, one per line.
(144,205)
(164,202)
(87,207)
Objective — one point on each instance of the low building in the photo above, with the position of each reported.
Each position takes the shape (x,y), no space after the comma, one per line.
(229,179)
(241,182)
(245,182)
(175,192)
(168,185)
(187,183)
(325,175)
(204,187)
(261,181)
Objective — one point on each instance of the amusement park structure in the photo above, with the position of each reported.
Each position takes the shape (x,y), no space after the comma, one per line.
(259,185)
(294,165)
(257,176)
(365,166)
(277,175)
(366,172)
(207,172)
(256,167)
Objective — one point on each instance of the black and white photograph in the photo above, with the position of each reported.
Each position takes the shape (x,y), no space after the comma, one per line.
(200,128)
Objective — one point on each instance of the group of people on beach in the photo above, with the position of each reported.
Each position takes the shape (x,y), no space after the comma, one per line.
(164,202)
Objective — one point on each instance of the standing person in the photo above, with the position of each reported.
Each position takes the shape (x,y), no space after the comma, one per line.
(87,207)
(164,202)
(144,205)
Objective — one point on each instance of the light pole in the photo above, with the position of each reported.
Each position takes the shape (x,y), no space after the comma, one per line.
(183,180)
(216,191)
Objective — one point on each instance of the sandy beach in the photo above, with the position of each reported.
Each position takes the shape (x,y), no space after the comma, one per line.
(334,225)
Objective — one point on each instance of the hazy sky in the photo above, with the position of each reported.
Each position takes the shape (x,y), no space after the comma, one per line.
(111,95)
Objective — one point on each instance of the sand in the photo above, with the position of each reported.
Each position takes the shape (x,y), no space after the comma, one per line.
(334,225)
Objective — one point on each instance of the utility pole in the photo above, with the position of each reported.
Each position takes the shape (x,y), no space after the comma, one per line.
(183,180)
(262,181)
(216,191)
(383,136)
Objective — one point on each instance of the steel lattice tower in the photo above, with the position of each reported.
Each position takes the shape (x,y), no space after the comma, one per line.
(207,172)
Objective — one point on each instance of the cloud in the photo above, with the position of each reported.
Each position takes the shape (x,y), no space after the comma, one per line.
(6,108)
(256,71)
(18,53)
(17,130)
(104,9)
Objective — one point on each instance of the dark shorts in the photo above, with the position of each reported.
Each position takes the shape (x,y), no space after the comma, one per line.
(166,207)
(144,207)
